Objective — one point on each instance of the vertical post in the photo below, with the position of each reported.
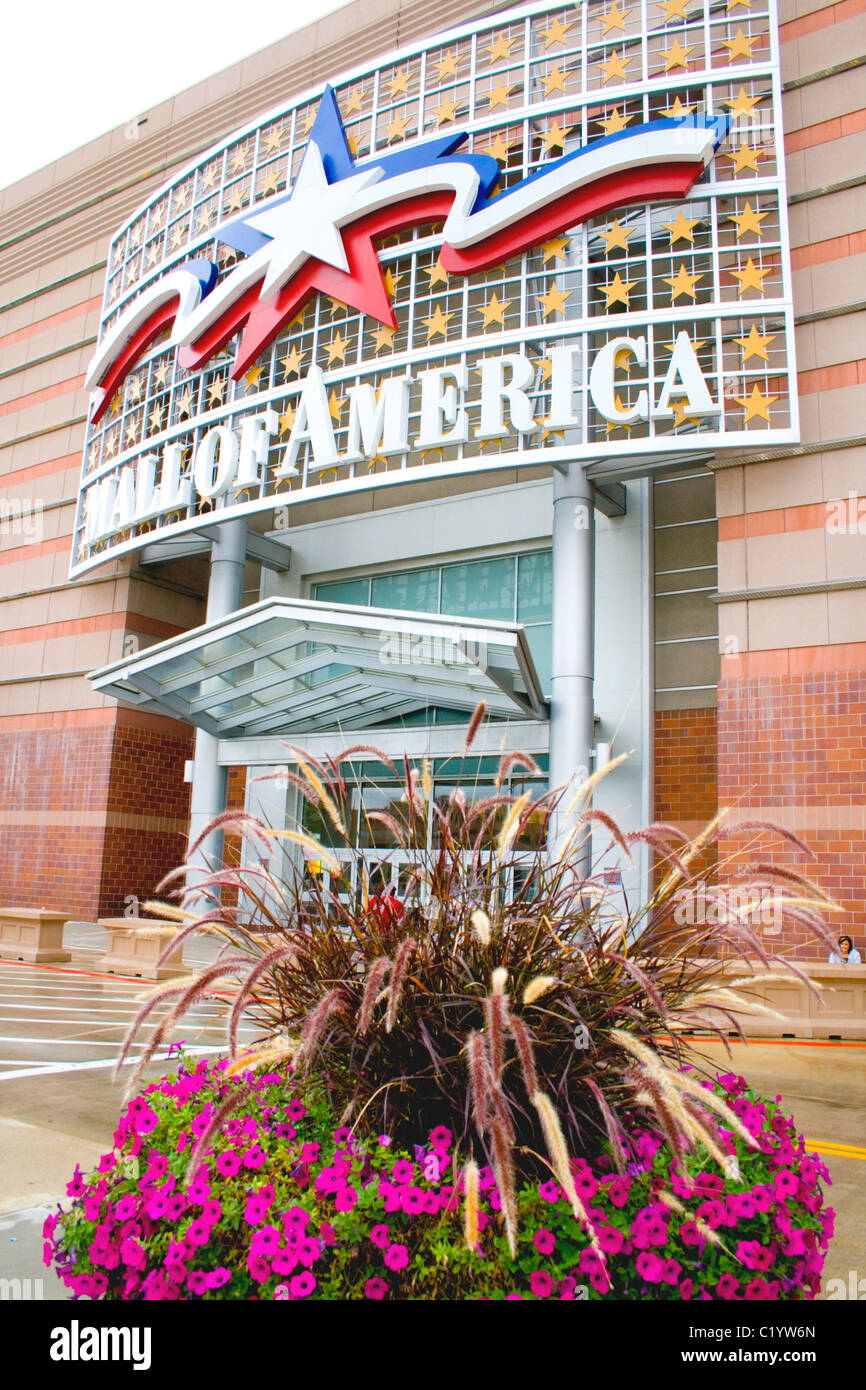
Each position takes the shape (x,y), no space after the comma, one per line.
(209,780)
(572,673)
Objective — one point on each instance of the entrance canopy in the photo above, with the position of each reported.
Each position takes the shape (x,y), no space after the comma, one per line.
(295,666)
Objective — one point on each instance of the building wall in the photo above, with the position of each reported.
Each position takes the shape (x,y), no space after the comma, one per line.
(792,573)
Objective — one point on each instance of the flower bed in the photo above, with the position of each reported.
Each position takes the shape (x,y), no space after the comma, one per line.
(283,1205)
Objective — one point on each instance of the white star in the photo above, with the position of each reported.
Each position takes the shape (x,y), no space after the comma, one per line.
(308,223)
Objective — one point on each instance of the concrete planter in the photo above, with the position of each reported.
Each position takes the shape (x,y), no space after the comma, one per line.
(32,934)
(131,953)
(839,1012)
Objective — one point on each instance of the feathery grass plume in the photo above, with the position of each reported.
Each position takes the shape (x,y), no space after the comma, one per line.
(426,780)
(326,801)
(470,1205)
(503,1167)
(692,848)
(495,1013)
(612,1126)
(558,1151)
(164,1029)
(239,821)
(315,1025)
(708,998)
(481,926)
(510,761)
(218,1117)
(474,723)
(314,848)
(669,1200)
(525,1052)
(610,825)
(398,978)
(540,985)
(586,789)
(156,992)
(480,1080)
(511,826)
(261,968)
(669,1114)
(709,1099)
(169,910)
(375,980)
(261,1057)
(153,931)
(499,979)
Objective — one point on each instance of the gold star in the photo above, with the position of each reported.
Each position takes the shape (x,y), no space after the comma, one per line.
(554,249)
(554,81)
(447,65)
(204,220)
(397,129)
(494,311)
(131,433)
(309,120)
(291,364)
(618,424)
(756,344)
(134,391)
(555,137)
(741,105)
(336,306)
(680,417)
(355,103)
(437,273)
(732,4)
(335,406)
(253,377)
(155,418)
(216,390)
(160,376)
(618,291)
(400,82)
(384,337)
(614,67)
(615,235)
(756,404)
(673,8)
(337,349)
(438,323)
(677,56)
(615,123)
(744,158)
(678,110)
(208,183)
(500,48)
(740,46)
(111,445)
(271,183)
(554,300)
(752,278)
(682,283)
(274,139)
(152,254)
(499,149)
(236,201)
(500,94)
(116,404)
(184,405)
(287,419)
(181,198)
(156,219)
(623,361)
(555,34)
(614,19)
(352,143)
(546,368)
(445,112)
(177,235)
(239,163)
(697,345)
(391,281)
(681,229)
(748,220)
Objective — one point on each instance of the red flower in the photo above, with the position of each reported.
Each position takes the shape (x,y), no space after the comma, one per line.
(386,909)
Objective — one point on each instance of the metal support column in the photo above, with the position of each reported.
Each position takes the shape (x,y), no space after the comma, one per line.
(209,780)
(572,673)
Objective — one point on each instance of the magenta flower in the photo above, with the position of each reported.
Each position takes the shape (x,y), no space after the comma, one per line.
(549,1191)
(610,1239)
(302,1284)
(198,1232)
(296,1110)
(618,1191)
(284,1262)
(402,1171)
(380,1236)
(228,1164)
(396,1257)
(650,1267)
(544,1241)
(375,1288)
(197,1282)
(256,1210)
(441,1137)
(345,1199)
(126,1208)
(727,1287)
(687,1288)
(258,1267)
(385,1140)
(413,1200)
(540,1283)
(217,1278)
(785,1182)
(255,1157)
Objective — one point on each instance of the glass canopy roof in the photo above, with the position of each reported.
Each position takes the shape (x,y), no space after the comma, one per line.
(296,666)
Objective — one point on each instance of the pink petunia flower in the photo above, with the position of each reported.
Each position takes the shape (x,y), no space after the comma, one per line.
(396,1257)
(375,1288)
(380,1236)
(544,1241)
(302,1284)
(540,1284)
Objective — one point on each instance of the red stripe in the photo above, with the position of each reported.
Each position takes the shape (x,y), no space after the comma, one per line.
(150,329)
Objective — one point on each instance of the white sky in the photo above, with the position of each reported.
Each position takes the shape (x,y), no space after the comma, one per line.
(74,69)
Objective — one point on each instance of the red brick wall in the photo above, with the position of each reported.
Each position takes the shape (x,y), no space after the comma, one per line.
(237,786)
(791,750)
(685,766)
(90,814)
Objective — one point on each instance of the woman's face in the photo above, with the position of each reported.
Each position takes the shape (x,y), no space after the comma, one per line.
(844,948)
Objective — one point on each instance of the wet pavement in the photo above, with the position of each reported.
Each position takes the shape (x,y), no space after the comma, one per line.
(60,1032)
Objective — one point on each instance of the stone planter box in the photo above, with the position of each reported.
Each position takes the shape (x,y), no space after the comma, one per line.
(32,934)
(839,1012)
(131,953)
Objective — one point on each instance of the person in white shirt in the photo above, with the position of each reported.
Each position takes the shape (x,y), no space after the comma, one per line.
(847,953)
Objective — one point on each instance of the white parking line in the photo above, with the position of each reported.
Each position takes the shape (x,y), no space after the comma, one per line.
(31,1070)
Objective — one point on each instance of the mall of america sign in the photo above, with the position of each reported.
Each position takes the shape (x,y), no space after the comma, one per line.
(556,235)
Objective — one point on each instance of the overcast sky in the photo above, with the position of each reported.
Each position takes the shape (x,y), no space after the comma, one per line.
(73,69)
